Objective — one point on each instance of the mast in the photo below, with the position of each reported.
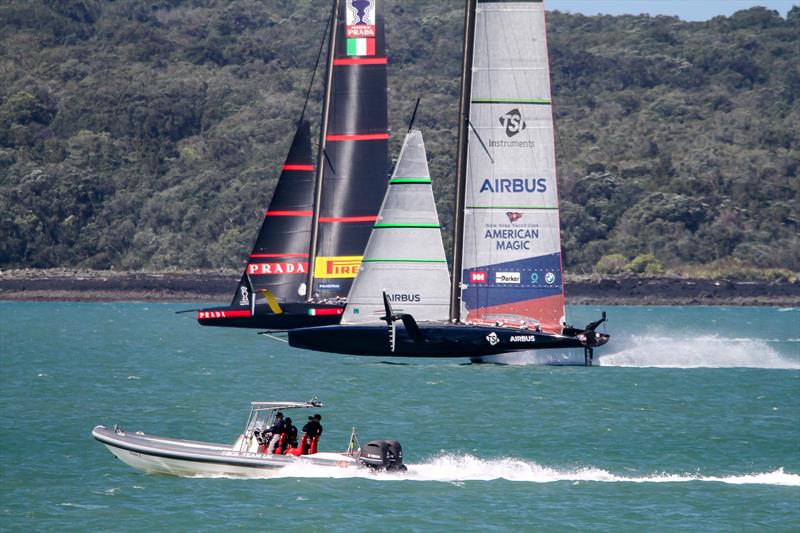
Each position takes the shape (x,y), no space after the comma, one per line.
(461,163)
(323,133)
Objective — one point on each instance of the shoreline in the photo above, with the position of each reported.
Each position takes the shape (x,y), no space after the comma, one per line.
(218,287)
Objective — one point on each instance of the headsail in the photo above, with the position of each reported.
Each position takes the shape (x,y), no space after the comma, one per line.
(356,157)
(511,260)
(405,255)
(279,260)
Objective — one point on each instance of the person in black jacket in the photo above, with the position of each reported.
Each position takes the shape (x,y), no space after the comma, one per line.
(289,439)
(312,431)
(277,430)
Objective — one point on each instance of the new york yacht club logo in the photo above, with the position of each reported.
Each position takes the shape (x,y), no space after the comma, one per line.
(513,216)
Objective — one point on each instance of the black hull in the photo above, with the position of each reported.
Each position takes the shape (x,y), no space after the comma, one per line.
(293,316)
(440,340)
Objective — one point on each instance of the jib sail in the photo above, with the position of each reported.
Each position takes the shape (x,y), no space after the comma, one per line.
(511,254)
(279,260)
(405,255)
(354,159)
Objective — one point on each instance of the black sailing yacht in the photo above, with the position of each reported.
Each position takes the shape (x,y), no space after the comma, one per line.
(314,232)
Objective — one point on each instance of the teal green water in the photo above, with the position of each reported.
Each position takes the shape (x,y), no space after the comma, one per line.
(691,422)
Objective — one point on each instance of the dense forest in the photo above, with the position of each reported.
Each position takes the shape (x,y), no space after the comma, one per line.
(149,135)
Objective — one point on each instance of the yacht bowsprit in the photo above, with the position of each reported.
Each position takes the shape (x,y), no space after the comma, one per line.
(249,456)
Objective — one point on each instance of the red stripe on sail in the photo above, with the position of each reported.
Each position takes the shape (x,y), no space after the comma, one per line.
(363,60)
(348,219)
(259,256)
(359,137)
(289,166)
(288,213)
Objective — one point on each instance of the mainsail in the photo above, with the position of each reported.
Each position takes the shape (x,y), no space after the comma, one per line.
(405,256)
(511,255)
(354,158)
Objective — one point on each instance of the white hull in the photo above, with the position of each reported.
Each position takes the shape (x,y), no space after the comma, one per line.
(159,455)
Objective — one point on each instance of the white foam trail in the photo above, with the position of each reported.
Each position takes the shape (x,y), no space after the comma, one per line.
(702,351)
(450,468)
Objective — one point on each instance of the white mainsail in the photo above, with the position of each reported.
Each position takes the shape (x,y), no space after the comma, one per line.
(405,255)
(511,260)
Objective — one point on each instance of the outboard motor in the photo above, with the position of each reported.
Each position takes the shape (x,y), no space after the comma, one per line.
(382,455)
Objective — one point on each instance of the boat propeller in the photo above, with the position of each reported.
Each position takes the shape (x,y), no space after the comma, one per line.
(408,321)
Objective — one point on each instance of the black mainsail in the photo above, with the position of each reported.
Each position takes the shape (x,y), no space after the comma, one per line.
(318,222)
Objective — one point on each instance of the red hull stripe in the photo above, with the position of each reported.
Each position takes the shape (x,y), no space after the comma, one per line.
(361,61)
(288,213)
(323,312)
(259,256)
(359,137)
(289,166)
(348,219)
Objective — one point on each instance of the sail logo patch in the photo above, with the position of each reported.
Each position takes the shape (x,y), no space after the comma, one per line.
(513,122)
(513,216)
(245,300)
(522,338)
(337,267)
(400,297)
(360,29)
(259,269)
(531,185)
(549,278)
(477,277)
(507,277)
(492,338)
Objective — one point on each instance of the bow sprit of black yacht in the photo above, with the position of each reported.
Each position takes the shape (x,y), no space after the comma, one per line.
(313,234)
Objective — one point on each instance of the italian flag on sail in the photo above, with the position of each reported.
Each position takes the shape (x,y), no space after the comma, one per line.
(361,47)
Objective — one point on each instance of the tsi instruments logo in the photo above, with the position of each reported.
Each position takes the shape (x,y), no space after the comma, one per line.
(513,122)
(492,338)
(507,277)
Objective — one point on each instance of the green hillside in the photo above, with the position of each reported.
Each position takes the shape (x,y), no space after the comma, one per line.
(149,135)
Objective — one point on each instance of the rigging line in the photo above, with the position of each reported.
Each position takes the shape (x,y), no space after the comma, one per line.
(316,65)
(413,115)
(477,135)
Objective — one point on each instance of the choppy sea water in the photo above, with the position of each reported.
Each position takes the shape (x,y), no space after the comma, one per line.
(691,421)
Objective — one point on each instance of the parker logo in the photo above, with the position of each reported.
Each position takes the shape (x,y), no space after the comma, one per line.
(477,277)
(512,122)
(492,338)
(513,216)
(345,266)
(258,269)
(507,277)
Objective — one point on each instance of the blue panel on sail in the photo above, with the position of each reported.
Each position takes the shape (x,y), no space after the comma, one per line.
(499,283)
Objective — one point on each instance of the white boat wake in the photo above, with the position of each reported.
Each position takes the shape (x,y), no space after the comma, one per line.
(702,351)
(658,350)
(451,468)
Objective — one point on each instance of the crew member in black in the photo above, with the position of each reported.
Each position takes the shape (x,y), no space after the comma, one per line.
(312,431)
(289,439)
(277,430)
